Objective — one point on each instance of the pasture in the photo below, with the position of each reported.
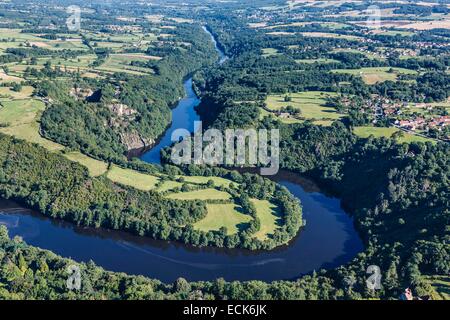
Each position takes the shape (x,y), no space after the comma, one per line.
(205,194)
(269,215)
(95,167)
(21,117)
(376,75)
(223,215)
(378,132)
(141,181)
(311,104)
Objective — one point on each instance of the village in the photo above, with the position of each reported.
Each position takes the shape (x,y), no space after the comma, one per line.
(429,120)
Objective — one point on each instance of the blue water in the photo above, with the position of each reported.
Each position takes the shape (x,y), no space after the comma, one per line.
(183,117)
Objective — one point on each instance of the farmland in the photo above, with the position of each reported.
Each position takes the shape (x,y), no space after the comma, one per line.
(223,216)
(311,106)
(376,75)
(379,132)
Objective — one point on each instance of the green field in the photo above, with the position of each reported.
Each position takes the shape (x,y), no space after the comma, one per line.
(169,185)
(375,75)
(223,215)
(269,214)
(132,178)
(25,93)
(378,132)
(312,105)
(22,117)
(206,194)
(96,168)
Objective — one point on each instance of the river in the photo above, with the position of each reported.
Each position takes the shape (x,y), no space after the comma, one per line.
(328,240)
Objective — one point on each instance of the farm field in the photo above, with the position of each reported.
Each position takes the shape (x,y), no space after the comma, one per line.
(205,194)
(169,186)
(4,77)
(144,182)
(20,119)
(378,132)
(268,214)
(121,63)
(96,168)
(223,215)
(7,94)
(312,106)
(375,75)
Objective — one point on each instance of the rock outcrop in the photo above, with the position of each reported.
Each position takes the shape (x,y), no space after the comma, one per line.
(133,140)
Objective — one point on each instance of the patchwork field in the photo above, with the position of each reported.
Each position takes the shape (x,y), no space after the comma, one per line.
(427,25)
(4,77)
(122,63)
